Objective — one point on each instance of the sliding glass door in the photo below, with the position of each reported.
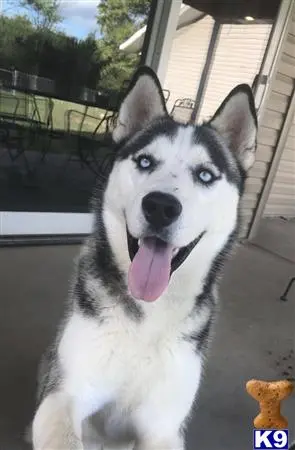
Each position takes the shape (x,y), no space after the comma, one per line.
(60,87)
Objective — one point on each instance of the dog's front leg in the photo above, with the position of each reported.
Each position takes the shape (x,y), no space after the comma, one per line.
(159,427)
(54,425)
(160,419)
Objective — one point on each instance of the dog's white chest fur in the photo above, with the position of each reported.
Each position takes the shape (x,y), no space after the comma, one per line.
(119,360)
(134,365)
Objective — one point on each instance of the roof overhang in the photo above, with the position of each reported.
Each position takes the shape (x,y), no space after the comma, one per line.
(134,44)
(235,11)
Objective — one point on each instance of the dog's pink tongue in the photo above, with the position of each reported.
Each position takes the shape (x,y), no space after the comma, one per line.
(149,272)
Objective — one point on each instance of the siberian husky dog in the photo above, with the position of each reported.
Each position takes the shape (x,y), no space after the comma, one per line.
(128,358)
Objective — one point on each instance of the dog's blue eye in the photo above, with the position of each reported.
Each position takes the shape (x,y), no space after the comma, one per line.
(205,176)
(144,162)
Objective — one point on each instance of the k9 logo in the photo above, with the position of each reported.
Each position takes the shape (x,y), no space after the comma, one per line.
(271,439)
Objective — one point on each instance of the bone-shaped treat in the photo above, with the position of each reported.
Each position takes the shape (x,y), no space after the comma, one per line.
(269,395)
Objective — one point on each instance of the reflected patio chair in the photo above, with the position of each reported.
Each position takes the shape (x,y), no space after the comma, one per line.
(13,133)
(166,93)
(284,296)
(81,130)
(8,109)
(94,133)
(42,112)
(182,109)
(22,117)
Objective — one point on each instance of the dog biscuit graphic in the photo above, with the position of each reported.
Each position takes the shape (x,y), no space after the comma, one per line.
(269,395)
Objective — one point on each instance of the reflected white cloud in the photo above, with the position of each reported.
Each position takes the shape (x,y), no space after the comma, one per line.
(79,17)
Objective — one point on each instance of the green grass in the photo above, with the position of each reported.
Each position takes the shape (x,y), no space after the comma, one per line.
(67,117)
(19,104)
(62,110)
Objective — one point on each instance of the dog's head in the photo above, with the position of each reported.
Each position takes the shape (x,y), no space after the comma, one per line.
(172,184)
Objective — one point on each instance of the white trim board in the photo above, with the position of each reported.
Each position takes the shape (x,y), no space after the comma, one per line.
(36,223)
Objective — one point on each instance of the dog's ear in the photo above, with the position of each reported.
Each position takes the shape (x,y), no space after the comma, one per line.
(143,103)
(236,122)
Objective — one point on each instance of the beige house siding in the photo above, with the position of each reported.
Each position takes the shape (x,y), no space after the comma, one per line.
(281,200)
(237,60)
(187,58)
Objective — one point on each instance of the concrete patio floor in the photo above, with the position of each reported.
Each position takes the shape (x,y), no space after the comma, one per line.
(277,235)
(254,339)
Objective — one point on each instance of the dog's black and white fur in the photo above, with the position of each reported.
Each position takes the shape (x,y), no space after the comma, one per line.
(136,365)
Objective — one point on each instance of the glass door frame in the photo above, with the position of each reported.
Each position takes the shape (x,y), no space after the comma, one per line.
(15,223)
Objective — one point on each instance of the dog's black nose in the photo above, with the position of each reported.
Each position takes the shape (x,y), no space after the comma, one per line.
(161,209)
